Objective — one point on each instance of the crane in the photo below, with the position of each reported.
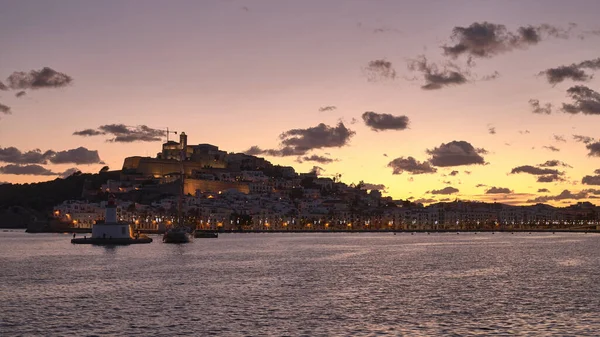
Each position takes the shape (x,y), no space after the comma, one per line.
(174,132)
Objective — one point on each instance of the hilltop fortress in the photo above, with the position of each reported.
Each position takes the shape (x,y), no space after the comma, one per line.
(206,168)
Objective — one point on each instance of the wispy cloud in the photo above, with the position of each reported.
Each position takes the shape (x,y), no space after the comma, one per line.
(121,133)
(383,121)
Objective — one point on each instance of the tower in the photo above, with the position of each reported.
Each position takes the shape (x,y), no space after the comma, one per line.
(110,216)
(183,145)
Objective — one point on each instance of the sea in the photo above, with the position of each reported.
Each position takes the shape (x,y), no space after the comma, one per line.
(304,284)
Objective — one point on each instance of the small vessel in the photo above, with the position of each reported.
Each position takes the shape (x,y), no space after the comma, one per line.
(112,232)
(176,234)
(206,234)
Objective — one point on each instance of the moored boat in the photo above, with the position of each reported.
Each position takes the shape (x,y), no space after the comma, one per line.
(206,234)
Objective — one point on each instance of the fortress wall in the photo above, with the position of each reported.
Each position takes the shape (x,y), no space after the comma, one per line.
(191,185)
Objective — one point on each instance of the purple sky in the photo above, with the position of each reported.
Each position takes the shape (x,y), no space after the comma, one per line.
(241,73)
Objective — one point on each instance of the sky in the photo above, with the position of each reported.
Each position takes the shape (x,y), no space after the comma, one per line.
(428,101)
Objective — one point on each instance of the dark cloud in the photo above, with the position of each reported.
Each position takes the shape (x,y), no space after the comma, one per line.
(534,170)
(3,86)
(20,94)
(33,170)
(456,153)
(543,190)
(591,180)
(370,187)
(380,70)
(88,132)
(594,149)
(424,201)
(549,178)
(480,185)
(15,156)
(559,138)
(445,190)
(38,79)
(436,78)
(410,165)
(453,173)
(297,142)
(383,121)
(537,108)
(385,29)
(79,155)
(585,100)
(467,172)
(554,163)
(583,139)
(566,194)
(487,39)
(498,190)
(573,72)
(327,108)
(492,130)
(317,158)
(524,131)
(551,148)
(125,134)
(5,109)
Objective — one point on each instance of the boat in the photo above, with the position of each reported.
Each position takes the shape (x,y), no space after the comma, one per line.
(112,232)
(177,234)
(206,234)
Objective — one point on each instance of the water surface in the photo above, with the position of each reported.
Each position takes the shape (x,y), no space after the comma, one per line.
(321,284)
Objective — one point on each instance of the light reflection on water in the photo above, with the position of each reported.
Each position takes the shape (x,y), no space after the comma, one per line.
(304,284)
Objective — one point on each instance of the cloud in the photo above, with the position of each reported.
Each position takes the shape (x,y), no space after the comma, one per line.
(80,155)
(537,108)
(534,170)
(492,130)
(20,94)
(583,139)
(485,39)
(327,108)
(551,148)
(33,169)
(38,79)
(524,131)
(554,163)
(549,178)
(380,70)
(317,158)
(298,142)
(591,180)
(3,86)
(410,165)
(498,190)
(453,173)
(480,185)
(5,109)
(585,100)
(566,194)
(445,190)
(456,153)
(317,170)
(597,171)
(594,149)
(450,74)
(573,72)
(543,190)
(125,134)
(370,187)
(559,138)
(424,201)
(383,121)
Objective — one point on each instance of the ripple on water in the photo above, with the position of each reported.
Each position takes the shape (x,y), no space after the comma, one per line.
(304,285)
